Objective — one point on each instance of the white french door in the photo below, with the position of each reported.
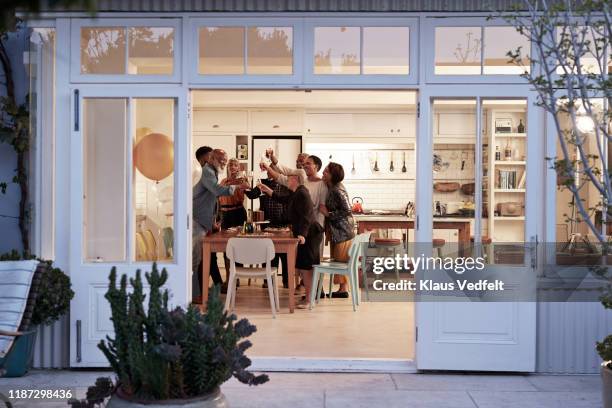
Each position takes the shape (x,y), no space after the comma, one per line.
(466,136)
(129,201)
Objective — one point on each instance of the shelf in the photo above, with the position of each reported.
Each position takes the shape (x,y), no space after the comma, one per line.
(510,162)
(510,135)
(519,218)
(509,190)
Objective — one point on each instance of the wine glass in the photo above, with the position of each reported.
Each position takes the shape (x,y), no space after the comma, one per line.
(249,178)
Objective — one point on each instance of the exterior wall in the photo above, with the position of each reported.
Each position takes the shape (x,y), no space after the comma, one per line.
(565,339)
(566,336)
(9,203)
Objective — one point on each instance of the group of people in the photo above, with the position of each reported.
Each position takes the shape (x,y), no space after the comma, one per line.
(313,206)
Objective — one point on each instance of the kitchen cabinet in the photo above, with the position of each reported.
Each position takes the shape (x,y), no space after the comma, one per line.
(220,121)
(280,121)
(387,124)
(329,123)
(455,127)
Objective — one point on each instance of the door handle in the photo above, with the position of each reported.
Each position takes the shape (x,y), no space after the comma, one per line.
(78,341)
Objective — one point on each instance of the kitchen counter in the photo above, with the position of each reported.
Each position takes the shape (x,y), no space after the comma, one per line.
(367,222)
(397,217)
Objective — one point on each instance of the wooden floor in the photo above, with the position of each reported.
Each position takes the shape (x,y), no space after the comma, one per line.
(330,330)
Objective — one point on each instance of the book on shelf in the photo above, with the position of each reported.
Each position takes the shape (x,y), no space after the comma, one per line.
(521,183)
(507,179)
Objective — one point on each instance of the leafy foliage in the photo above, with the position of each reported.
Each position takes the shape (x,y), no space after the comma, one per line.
(161,354)
(54,296)
(54,292)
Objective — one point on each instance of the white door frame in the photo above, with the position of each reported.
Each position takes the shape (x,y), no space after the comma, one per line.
(83,340)
(425,312)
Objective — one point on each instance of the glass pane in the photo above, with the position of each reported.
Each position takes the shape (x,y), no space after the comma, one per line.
(576,242)
(386,50)
(270,50)
(498,41)
(151,50)
(336,50)
(586,57)
(153,179)
(458,50)
(104,179)
(221,51)
(103,50)
(454,177)
(504,180)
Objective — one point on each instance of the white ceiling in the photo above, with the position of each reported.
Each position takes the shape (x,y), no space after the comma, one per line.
(315,99)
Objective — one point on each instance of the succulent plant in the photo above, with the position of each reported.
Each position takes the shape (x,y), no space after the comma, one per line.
(160,354)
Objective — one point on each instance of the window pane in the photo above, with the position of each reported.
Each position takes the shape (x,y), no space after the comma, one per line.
(153,179)
(498,41)
(586,55)
(270,50)
(103,50)
(337,50)
(576,243)
(221,51)
(386,50)
(458,50)
(151,50)
(104,181)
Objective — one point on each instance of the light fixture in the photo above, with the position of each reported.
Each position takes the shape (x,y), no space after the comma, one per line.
(584,123)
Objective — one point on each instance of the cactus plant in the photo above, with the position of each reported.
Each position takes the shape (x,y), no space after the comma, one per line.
(160,354)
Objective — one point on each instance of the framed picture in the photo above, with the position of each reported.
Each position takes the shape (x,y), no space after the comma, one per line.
(503,125)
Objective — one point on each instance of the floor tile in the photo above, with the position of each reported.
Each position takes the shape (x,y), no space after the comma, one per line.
(566,382)
(261,397)
(323,381)
(501,399)
(459,382)
(398,399)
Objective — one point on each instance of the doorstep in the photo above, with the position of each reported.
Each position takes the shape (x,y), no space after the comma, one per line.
(327,365)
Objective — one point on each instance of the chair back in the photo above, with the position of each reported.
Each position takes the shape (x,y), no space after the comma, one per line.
(250,250)
(355,250)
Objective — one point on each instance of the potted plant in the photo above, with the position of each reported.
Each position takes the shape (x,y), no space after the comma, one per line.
(48,300)
(165,357)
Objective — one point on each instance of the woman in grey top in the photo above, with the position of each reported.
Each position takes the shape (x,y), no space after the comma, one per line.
(338,221)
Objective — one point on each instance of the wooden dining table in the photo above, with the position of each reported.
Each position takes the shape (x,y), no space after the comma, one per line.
(284,242)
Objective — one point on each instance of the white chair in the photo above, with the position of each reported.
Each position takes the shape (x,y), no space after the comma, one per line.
(348,269)
(251,251)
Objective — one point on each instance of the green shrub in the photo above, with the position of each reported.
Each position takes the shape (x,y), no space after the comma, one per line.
(161,354)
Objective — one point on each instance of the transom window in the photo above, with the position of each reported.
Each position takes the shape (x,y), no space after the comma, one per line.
(127,50)
(478,50)
(243,50)
(361,51)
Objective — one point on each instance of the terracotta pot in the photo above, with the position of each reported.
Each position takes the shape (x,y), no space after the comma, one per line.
(215,399)
(606,379)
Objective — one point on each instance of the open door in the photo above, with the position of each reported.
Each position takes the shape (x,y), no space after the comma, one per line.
(494,331)
(129,203)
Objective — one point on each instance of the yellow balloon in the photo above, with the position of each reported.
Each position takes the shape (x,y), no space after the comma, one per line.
(154,156)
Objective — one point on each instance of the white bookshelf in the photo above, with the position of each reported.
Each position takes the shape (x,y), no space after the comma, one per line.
(512,188)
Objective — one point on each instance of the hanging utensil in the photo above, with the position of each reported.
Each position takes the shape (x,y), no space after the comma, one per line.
(376,163)
(353,171)
(404,165)
(464,157)
(391,168)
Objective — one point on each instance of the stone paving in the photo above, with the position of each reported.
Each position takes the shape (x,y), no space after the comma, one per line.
(330,390)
